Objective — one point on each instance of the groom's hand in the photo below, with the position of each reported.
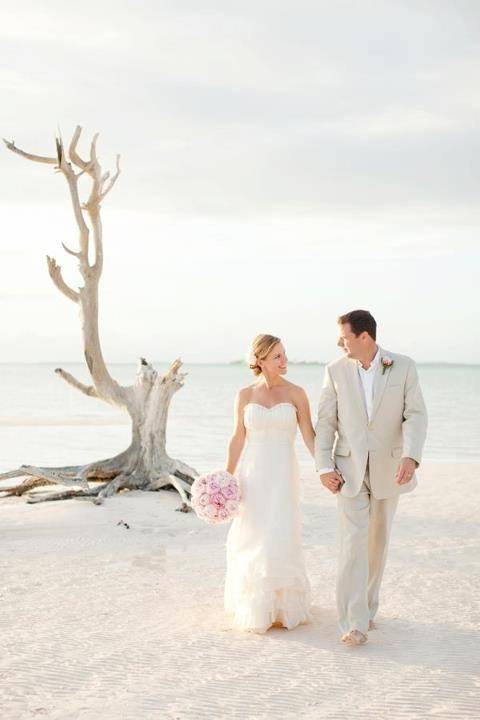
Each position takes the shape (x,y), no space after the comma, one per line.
(405,471)
(332,481)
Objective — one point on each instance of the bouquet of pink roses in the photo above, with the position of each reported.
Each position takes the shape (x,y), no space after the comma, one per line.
(215,497)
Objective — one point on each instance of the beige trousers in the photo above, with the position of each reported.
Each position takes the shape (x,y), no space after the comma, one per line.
(364,531)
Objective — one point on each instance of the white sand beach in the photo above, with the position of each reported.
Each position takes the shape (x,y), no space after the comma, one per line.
(101,621)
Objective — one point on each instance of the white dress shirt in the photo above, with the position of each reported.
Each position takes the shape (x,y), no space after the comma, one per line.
(367,380)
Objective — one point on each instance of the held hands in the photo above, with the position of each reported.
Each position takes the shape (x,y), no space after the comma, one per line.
(405,471)
(332,481)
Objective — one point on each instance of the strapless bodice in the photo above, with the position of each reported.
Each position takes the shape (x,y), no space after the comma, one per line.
(275,424)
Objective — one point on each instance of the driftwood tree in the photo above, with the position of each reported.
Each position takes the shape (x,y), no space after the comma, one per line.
(145,464)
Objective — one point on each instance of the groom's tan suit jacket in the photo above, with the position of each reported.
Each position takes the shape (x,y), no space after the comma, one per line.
(397,427)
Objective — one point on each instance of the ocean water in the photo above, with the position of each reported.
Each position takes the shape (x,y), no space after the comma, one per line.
(45,421)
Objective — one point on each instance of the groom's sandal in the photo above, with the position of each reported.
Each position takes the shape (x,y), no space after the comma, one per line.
(354,637)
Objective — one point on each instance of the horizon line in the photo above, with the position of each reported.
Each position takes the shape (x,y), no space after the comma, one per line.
(225,363)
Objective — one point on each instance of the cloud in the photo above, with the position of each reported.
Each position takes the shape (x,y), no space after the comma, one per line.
(251,109)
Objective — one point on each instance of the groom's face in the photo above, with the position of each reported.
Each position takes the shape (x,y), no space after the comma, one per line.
(351,344)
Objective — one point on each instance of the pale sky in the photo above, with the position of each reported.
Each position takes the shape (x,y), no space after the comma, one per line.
(282,163)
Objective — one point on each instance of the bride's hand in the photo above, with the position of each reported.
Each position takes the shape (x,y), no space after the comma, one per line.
(332,481)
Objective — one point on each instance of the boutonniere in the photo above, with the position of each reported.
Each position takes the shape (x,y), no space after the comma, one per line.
(386,363)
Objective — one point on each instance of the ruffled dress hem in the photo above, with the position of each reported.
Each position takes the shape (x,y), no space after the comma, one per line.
(286,606)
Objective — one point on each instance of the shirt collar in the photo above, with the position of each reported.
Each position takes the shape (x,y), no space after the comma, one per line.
(373,365)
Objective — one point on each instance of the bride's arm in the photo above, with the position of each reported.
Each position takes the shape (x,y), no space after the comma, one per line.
(305,420)
(237,440)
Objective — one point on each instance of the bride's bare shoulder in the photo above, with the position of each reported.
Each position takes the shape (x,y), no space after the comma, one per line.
(245,393)
(292,387)
(297,392)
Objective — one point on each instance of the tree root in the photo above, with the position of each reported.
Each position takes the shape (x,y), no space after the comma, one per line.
(29,484)
(64,495)
(121,482)
(70,475)
(174,474)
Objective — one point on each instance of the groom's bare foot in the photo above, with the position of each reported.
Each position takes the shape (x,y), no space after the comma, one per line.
(354,637)
(371,625)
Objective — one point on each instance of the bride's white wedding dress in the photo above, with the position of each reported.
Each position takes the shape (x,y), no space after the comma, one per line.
(266,580)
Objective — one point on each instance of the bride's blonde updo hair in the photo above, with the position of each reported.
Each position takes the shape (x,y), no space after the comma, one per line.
(261,346)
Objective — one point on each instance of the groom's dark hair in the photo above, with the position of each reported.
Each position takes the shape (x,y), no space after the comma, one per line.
(360,321)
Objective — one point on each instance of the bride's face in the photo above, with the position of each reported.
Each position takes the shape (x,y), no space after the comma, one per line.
(276,361)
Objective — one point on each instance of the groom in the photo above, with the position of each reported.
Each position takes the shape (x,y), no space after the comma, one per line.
(370,433)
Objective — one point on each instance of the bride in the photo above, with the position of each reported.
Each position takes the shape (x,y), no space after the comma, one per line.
(266,584)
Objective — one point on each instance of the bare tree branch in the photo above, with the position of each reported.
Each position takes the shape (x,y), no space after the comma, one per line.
(72,180)
(71,252)
(55,272)
(85,170)
(36,158)
(85,389)
(93,149)
(72,150)
(112,181)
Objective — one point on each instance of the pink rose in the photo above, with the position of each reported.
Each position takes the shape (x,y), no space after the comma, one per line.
(211,511)
(212,486)
(229,492)
(231,506)
(204,499)
(386,363)
(218,499)
(199,485)
(223,514)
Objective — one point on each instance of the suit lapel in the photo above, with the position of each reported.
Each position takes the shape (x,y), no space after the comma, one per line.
(354,382)
(381,381)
